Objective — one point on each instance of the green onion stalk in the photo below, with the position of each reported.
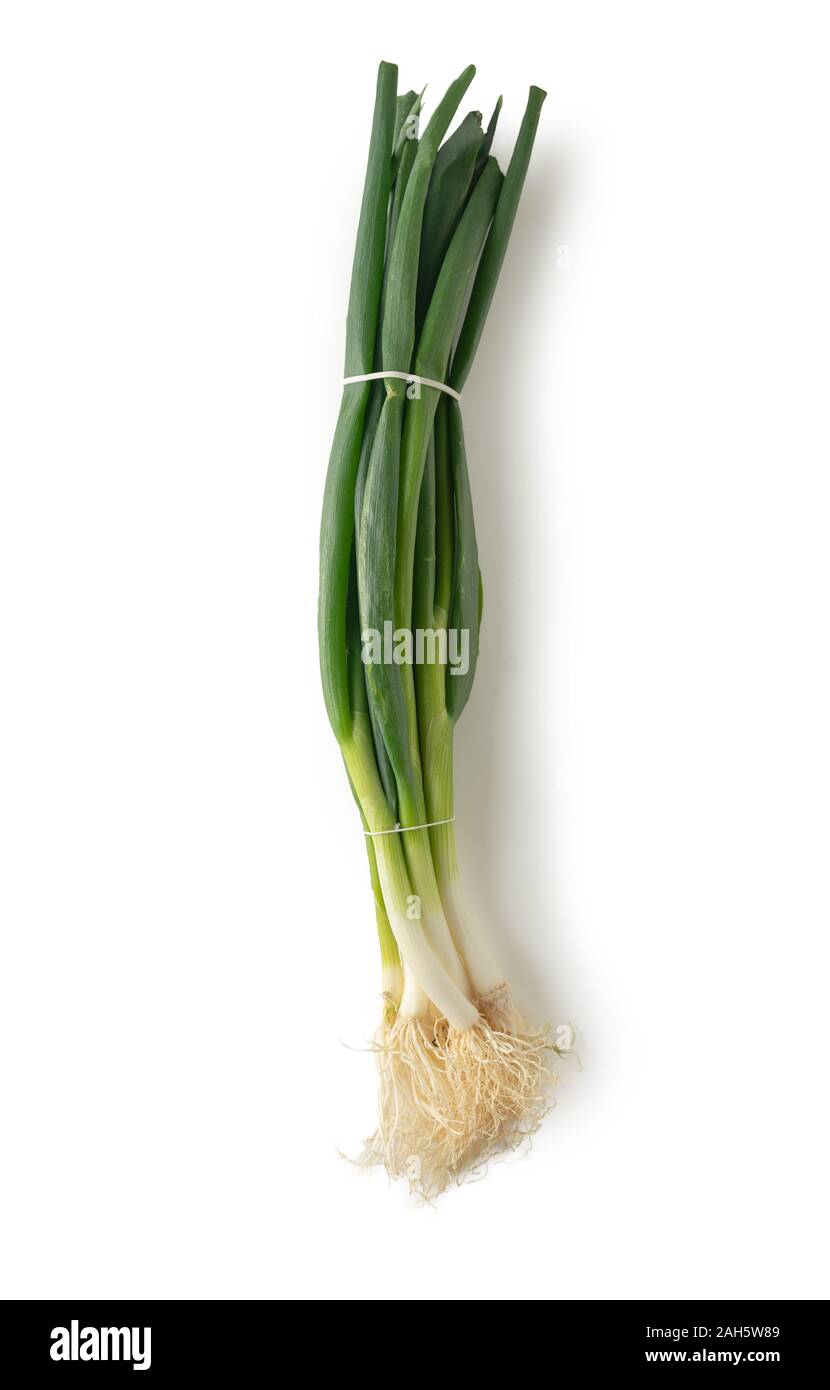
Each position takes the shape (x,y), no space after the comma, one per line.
(460,1073)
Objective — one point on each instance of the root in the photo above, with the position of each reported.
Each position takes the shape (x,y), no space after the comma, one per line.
(450,1099)
(415,1104)
(500,1011)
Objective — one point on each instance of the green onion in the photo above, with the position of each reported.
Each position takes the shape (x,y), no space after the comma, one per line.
(461,1074)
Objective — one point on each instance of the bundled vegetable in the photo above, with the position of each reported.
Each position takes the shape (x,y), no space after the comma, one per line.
(461,1074)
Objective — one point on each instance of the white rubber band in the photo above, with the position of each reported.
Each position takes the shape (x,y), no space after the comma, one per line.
(402,829)
(403,376)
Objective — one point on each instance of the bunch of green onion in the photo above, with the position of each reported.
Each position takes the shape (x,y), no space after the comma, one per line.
(461,1074)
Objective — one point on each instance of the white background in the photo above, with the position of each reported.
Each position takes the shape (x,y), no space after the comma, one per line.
(187,936)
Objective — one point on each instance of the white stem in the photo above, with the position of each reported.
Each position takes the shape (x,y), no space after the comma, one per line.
(418,938)
(392,982)
(484,971)
(436,927)
(414,1003)
(419,957)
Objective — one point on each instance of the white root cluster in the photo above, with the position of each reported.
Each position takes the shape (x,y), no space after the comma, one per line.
(450,1099)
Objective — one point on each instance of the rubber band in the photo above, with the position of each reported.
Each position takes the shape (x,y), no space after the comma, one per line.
(403,829)
(403,376)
